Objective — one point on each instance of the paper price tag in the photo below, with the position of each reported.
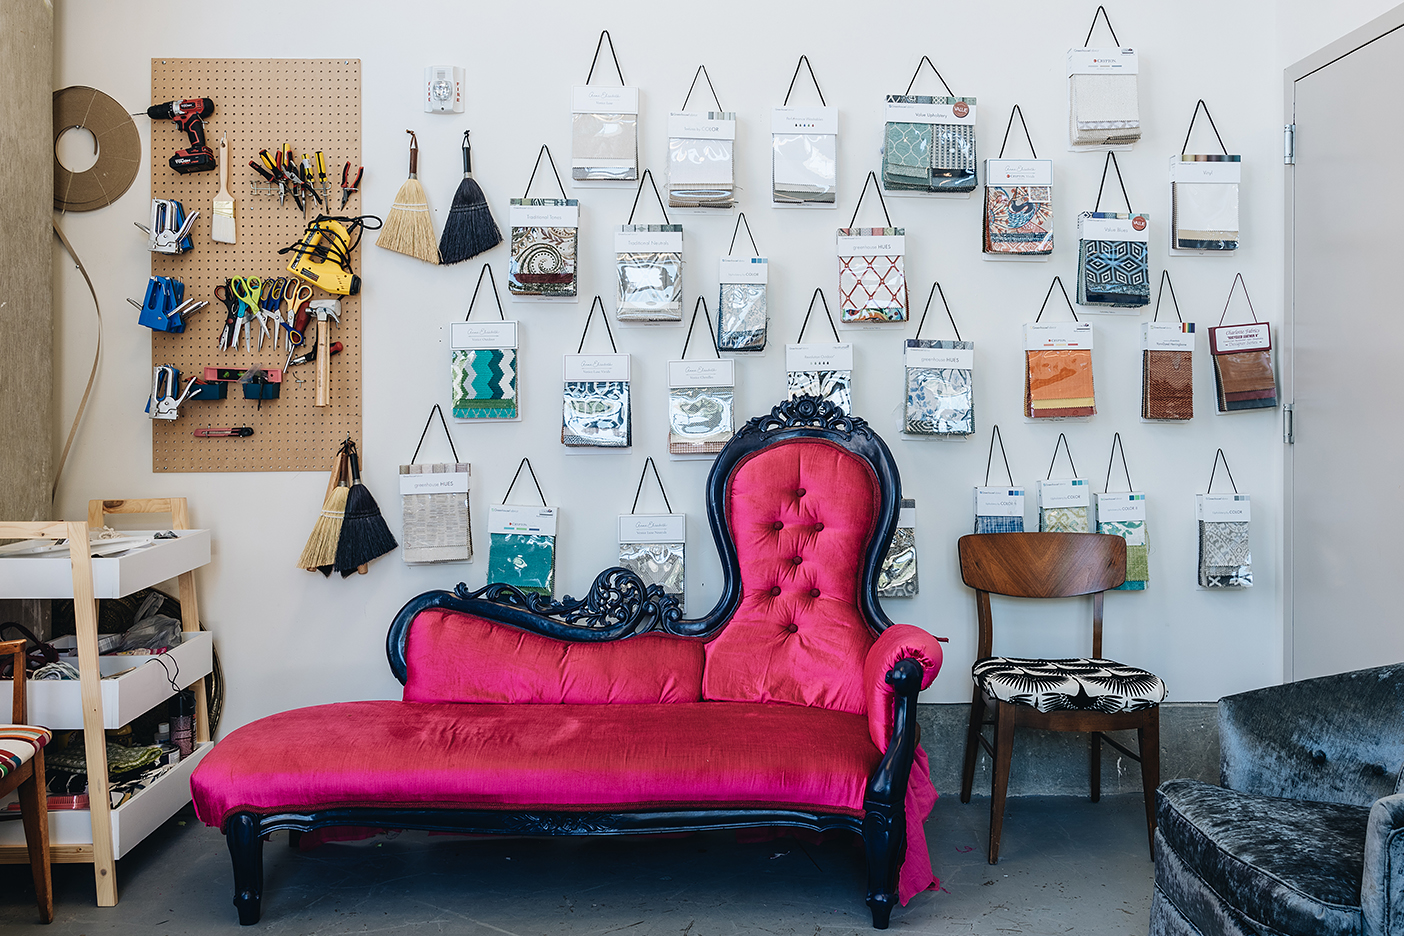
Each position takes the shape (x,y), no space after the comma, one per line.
(702,373)
(1064,492)
(1123,505)
(519,518)
(1046,336)
(581,367)
(652,528)
(999,502)
(744,270)
(1167,336)
(1223,508)
(458,482)
(472,336)
(594,99)
(819,357)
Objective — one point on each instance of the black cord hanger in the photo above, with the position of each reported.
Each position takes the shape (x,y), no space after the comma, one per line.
(872,177)
(702,305)
(804,60)
(526,462)
(1238,281)
(648,174)
(427,423)
(649,462)
(935,288)
(1116,446)
(545,151)
(1217,456)
(1009,126)
(603,318)
(1063,441)
(1057,281)
(996,437)
(604,35)
(741,218)
(702,72)
(818,294)
(927,61)
(1164,281)
(1111,161)
(486,271)
(1102,12)
(1212,126)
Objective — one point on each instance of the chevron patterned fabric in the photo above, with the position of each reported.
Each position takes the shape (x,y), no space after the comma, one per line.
(485,384)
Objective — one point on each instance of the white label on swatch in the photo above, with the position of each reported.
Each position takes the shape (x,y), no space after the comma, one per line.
(702,373)
(1053,336)
(566,216)
(819,357)
(1231,338)
(599,99)
(958,358)
(1222,508)
(652,528)
(697,125)
(892,245)
(960,113)
(1134,228)
(457,482)
(522,518)
(1102,62)
(744,270)
(1018,172)
(815,120)
(1167,336)
(1123,505)
(580,367)
(906,518)
(1064,492)
(630,241)
(999,502)
(1187,170)
(471,336)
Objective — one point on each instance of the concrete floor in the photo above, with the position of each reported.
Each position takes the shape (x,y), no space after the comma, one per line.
(1066,866)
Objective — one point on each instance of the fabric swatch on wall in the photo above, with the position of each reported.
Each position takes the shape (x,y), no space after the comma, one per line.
(940,400)
(898,576)
(804,168)
(1244,380)
(597,413)
(1018,219)
(999,524)
(543,258)
(834,386)
(1137,551)
(1063,520)
(1167,385)
(701,173)
(485,384)
(742,317)
(1103,109)
(524,560)
(872,289)
(1058,382)
(650,286)
(926,157)
(701,420)
(1224,557)
(1204,216)
(604,146)
(1113,272)
(655,563)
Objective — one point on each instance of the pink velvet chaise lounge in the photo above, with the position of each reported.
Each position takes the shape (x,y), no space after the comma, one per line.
(791,703)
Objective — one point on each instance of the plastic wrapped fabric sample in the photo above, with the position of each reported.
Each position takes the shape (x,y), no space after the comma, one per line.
(436,527)
(527,561)
(872,288)
(1104,110)
(1224,558)
(1063,520)
(597,413)
(804,168)
(655,563)
(650,281)
(898,576)
(906,155)
(1058,382)
(605,146)
(742,317)
(543,258)
(1112,272)
(701,173)
(1204,215)
(1137,551)
(999,524)
(940,400)
(925,157)
(834,386)
(1167,385)
(1244,380)
(1018,219)
(700,419)
(485,384)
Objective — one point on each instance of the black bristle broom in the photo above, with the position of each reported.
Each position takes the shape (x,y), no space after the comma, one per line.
(364,533)
(470,229)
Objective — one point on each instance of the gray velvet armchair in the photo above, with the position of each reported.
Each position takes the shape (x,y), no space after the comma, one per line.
(1306,834)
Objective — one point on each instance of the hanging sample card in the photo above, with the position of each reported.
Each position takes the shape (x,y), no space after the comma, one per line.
(596,399)
(484,370)
(1123,514)
(1113,259)
(1204,202)
(648,260)
(1064,506)
(1167,356)
(436,526)
(544,246)
(821,370)
(1243,376)
(999,509)
(898,576)
(522,547)
(872,275)
(652,546)
(701,159)
(604,137)
(1058,370)
(940,388)
(701,406)
(804,156)
(742,315)
(1018,208)
(929,144)
(1224,558)
(1103,101)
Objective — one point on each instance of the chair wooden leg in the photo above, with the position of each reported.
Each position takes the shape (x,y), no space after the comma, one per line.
(1148,737)
(246,852)
(972,744)
(1095,765)
(35,813)
(1004,749)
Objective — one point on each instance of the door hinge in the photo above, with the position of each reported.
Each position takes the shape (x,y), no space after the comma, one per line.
(1289,425)
(1289,145)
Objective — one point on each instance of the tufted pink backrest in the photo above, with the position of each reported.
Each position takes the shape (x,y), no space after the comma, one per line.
(802,514)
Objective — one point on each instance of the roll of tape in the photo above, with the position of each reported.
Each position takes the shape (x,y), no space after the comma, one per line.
(119,149)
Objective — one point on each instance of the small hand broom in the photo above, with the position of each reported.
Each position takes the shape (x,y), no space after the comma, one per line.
(408,228)
(470,229)
(320,551)
(364,533)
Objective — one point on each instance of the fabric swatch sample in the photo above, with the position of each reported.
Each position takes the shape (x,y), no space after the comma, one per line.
(655,563)
(1137,551)
(1112,272)
(650,286)
(1059,685)
(1058,382)
(907,154)
(485,384)
(1244,380)
(898,576)
(999,524)
(1224,558)
(1204,215)
(926,157)
(597,413)
(742,317)
(804,168)
(700,419)
(872,289)
(1019,219)
(525,560)
(940,400)
(1063,520)
(701,173)
(543,258)
(1167,385)
(436,527)
(604,146)
(834,386)
(1103,110)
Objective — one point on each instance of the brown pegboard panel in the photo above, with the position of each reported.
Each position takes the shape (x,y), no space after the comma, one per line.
(311,104)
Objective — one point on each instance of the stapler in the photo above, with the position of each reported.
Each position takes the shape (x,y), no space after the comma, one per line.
(164,404)
(169,230)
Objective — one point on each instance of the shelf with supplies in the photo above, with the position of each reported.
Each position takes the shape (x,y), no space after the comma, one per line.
(111,690)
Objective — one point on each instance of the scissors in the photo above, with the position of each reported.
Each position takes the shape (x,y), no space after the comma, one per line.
(297,302)
(225,294)
(247,290)
(269,291)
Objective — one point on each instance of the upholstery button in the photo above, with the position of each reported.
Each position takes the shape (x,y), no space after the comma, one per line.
(775,592)
(792,628)
(818,527)
(814,593)
(798,560)
(799,492)
(777,525)
(1318,758)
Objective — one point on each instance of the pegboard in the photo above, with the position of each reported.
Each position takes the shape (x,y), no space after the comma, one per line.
(311,104)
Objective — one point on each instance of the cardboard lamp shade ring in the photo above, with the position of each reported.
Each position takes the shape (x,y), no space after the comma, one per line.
(119,149)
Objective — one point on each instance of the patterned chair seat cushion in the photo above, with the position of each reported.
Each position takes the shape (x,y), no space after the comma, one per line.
(18,744)
(1056,685)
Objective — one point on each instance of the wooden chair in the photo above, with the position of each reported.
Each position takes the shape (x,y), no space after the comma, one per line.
(28,778)
(1088,694)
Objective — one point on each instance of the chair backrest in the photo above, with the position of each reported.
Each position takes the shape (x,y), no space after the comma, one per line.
(14,649)
(1040,565)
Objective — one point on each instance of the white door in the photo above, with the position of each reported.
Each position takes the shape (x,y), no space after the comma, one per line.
(1344,346)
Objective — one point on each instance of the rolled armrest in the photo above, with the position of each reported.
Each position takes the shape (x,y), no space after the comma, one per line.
(898,642)
(1382,889)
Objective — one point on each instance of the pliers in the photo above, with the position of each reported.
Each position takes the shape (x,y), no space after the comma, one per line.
(347,190)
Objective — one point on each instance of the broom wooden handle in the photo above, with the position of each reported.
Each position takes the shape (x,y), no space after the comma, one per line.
(338,469)
(323,361)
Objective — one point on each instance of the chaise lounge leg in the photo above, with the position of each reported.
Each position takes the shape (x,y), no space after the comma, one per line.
(885,843)
(246,849)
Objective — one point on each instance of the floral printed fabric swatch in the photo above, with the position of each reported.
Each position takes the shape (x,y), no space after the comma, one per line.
(1063,520)
(543,258)
(655,563)
(1019,219)
(485,384)
(1137,551)
(834,386)
(527,561)
(597,413)
(940,400)
(1224,558)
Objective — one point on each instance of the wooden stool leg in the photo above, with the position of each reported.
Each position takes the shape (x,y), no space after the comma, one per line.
(1148,737)
(1004,749)
(972,744)
(35,813)
(1095,765)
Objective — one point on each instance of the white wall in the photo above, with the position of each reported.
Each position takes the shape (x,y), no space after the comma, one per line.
(291,638)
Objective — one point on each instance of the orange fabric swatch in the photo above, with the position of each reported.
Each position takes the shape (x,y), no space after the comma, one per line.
(1059,383)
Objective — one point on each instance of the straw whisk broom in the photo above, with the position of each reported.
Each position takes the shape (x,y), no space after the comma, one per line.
(364,533)
(470,229)
(408,228)
(320,552)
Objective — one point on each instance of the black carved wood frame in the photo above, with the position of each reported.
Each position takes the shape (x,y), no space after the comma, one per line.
(620,606)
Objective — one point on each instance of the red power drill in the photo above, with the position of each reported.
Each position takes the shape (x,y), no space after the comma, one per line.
(189,115)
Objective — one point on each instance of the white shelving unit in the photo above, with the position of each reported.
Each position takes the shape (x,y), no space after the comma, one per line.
(112,690)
